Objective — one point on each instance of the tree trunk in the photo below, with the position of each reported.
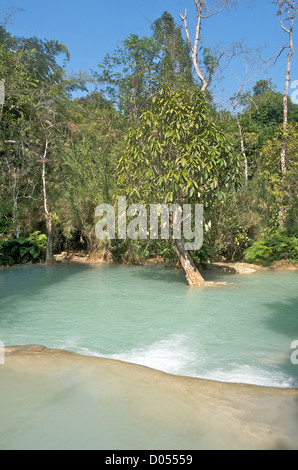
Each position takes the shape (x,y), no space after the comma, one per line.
(49,227)
(200,5)
(243,151)
(285,109)
(290,13)
(15,217)
(49,230)
(281,217)
(241,142)
(15,196)
(193,276)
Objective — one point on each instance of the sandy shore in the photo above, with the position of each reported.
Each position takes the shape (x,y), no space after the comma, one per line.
(226,267)
(81,257)
(124,406)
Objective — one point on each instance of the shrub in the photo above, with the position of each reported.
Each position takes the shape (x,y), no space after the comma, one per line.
(23,250)
(7,227)
(39,239)
(204,256)
(275,247)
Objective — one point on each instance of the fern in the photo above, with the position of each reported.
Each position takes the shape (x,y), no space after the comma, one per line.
(23,250)
(275,247)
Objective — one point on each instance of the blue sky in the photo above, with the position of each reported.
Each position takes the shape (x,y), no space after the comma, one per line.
(91,28)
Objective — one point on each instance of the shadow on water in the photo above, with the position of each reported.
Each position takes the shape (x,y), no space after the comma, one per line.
(33,279)
(170,275)
(283,320)
(176,275)
(22,284)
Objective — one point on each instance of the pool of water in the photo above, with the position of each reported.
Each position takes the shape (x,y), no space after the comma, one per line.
(148,315)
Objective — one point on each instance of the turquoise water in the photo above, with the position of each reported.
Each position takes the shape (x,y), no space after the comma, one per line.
(148,315)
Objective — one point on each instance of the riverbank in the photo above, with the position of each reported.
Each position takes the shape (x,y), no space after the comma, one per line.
(52,399)
(81,257)
(225,267)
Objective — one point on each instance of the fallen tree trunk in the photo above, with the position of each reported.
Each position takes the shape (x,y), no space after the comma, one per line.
(193,276)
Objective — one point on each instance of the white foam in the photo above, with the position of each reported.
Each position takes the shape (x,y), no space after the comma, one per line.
(172,355)
(253,375)
(179,355)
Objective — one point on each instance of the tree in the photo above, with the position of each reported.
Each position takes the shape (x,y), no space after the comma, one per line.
(19,87)
(139,67)
(242,99)
(128,74)
(263,86)
(45,137)
(263,114)
(37,94)
(206,65)
(178,155)
(87,164)
(287,11)
(283,186)
(239,101)
(175,65)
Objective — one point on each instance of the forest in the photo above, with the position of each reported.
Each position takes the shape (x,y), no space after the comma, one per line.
(145,124)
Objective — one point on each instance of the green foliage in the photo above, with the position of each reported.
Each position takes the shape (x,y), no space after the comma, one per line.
(136,251)
(239,221)
(87,168)
(131,251)
(178,149)
(6,226)
(37,94)
(263,86)
(283,186)
(39,239)
(141,66)
(262,120)
(275,247)
(177,153)
(82,189)
(204,256)
(23,250)
(174,66)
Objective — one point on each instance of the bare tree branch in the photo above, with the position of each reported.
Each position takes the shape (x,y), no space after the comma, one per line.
(287,11)
(252,67)
(216,12)
(203,13)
